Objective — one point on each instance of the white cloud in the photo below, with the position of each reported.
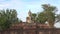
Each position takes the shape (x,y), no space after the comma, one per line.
(4,5)
(57,25)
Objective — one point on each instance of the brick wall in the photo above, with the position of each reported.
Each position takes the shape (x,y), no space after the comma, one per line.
(31,29)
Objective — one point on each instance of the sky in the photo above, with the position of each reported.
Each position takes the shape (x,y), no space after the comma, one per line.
(23,6)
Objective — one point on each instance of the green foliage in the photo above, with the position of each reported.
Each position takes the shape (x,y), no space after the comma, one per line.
(34,16)
(49,12)
(7,17)
(41,18)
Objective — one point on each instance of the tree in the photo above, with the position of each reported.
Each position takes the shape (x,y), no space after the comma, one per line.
(34,17)
(41,18)
(7,18)
(49,12)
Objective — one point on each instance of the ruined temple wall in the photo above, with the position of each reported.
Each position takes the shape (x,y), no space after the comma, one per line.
(31,29)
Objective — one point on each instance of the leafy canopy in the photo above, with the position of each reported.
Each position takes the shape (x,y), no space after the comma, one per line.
(7,17)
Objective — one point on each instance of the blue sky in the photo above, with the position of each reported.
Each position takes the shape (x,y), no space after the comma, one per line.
(23,6)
